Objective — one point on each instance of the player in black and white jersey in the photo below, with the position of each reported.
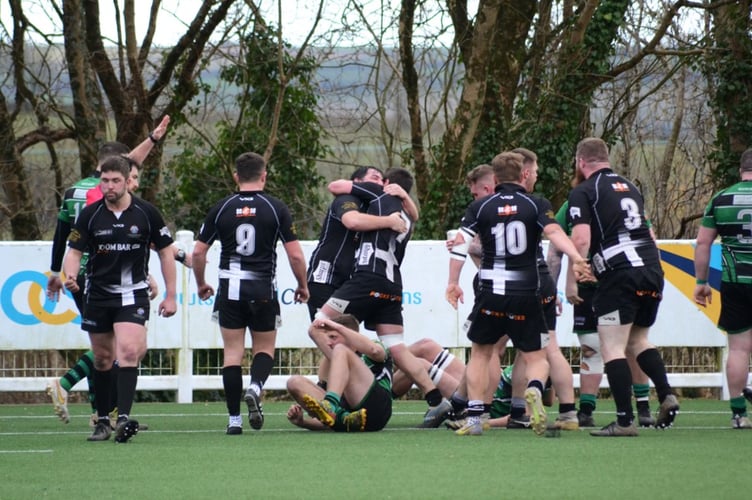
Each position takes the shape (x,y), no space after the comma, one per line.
(248,225)
(333,259)
(509,223)
(117,232)
(607,215)
(374,293)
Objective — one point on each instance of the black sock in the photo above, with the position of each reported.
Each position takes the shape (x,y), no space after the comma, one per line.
(537,384)
(102,388)
(232,381)
(651,362)
(261,367)
(620,382)
(458,403)
(127,378)
(565,407)
(433,397)
(586,407)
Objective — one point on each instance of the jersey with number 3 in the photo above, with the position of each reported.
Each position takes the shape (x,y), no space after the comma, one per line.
(619,233)
(248,225)
(509,223)
(729,212)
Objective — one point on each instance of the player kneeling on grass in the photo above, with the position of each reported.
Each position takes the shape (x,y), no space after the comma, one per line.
(357,375)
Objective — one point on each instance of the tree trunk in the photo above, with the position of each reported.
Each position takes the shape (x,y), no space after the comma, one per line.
(20,208)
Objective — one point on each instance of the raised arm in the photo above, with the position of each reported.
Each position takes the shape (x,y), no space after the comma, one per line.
(140,152)
(358,221)
(407,203)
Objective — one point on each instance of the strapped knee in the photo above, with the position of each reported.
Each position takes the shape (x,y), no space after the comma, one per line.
(591,359)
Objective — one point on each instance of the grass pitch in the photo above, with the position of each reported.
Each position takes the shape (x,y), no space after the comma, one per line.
(185,454)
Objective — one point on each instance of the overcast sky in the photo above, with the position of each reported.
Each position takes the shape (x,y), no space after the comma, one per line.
(297,16)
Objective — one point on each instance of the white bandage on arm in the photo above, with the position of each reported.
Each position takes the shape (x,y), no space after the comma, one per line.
(459,251)
(591,359)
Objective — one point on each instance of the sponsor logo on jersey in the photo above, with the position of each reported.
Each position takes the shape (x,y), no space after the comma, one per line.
(245,212)
(102,232)
(165,231)
(742,199)
(620,187)
(134,229)
(506,210)
(574,212)
(114,247)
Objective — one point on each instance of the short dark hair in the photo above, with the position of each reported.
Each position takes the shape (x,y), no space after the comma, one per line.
(507,166)
(745,163)
(117,163)
(111,148)
(400,176)
(250,166)
(361,172)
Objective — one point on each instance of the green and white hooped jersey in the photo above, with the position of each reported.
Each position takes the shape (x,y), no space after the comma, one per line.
(730,213)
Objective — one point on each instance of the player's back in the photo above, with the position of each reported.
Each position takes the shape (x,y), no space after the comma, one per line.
(509,224)
(620,235)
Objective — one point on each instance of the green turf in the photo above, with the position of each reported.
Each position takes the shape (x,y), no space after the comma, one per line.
(186,454)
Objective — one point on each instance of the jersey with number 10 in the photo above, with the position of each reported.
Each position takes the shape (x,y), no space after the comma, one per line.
(248,225)
(509,223)
(619,233)
(730,213)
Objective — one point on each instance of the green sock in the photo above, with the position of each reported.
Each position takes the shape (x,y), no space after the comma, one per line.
(333,398)
(83,368)
(738,406)
(641,391)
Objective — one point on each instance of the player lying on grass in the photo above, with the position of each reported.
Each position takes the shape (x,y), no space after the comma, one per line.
(357,375)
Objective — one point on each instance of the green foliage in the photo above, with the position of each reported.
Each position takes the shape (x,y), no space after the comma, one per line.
(730,71)
(202,173)
(553,123)
(549,119)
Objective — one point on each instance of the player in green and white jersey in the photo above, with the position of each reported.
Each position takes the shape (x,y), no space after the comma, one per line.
(729,215)
(357,374)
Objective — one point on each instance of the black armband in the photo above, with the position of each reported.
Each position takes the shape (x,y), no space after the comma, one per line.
(153,139)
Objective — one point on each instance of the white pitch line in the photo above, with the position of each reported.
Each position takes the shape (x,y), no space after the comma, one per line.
(25,451)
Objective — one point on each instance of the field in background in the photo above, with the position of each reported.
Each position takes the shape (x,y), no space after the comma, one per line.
(186,454)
